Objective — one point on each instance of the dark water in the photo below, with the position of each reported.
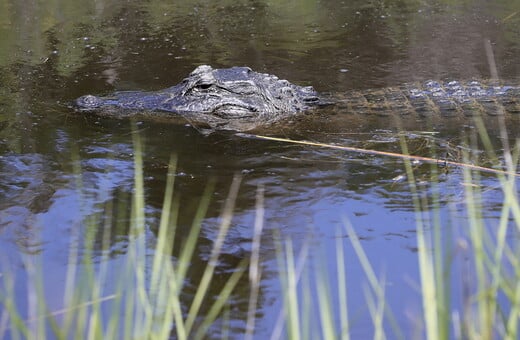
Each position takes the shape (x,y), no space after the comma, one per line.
(51,53)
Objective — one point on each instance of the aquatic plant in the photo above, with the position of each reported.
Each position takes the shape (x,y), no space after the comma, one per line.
(145,295)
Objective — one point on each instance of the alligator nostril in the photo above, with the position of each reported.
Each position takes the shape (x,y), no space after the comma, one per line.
(88,101)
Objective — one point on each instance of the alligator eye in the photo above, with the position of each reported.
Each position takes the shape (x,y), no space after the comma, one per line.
(204,86)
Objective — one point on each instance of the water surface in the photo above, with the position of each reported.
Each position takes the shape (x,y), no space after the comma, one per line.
(51,53)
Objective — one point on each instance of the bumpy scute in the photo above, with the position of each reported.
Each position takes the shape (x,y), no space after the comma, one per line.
(239,98)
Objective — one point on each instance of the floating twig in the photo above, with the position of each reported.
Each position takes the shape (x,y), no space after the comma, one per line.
(382,153)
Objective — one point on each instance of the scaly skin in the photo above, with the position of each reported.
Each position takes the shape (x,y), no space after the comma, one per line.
(240,99)
(431,98)
(235,98)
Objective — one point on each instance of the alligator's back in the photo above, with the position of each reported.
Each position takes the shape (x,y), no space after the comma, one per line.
(435,99)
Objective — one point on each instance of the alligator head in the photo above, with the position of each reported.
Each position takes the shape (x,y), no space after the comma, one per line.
(233,98)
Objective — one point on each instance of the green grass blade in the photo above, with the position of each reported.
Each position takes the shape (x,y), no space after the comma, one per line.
(15,323)
(255,270)
(326,312)
(292,304)
(227,214)
(430,297)
(222,298)
(342,287)
(191,241)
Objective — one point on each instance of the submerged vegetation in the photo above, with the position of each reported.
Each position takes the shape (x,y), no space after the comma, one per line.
(147,295)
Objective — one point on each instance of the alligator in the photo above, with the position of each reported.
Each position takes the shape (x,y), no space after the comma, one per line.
(240,99)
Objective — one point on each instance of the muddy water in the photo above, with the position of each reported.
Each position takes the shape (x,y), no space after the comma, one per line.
(51,53)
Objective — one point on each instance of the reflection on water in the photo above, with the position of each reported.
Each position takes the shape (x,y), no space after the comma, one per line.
(51,53)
